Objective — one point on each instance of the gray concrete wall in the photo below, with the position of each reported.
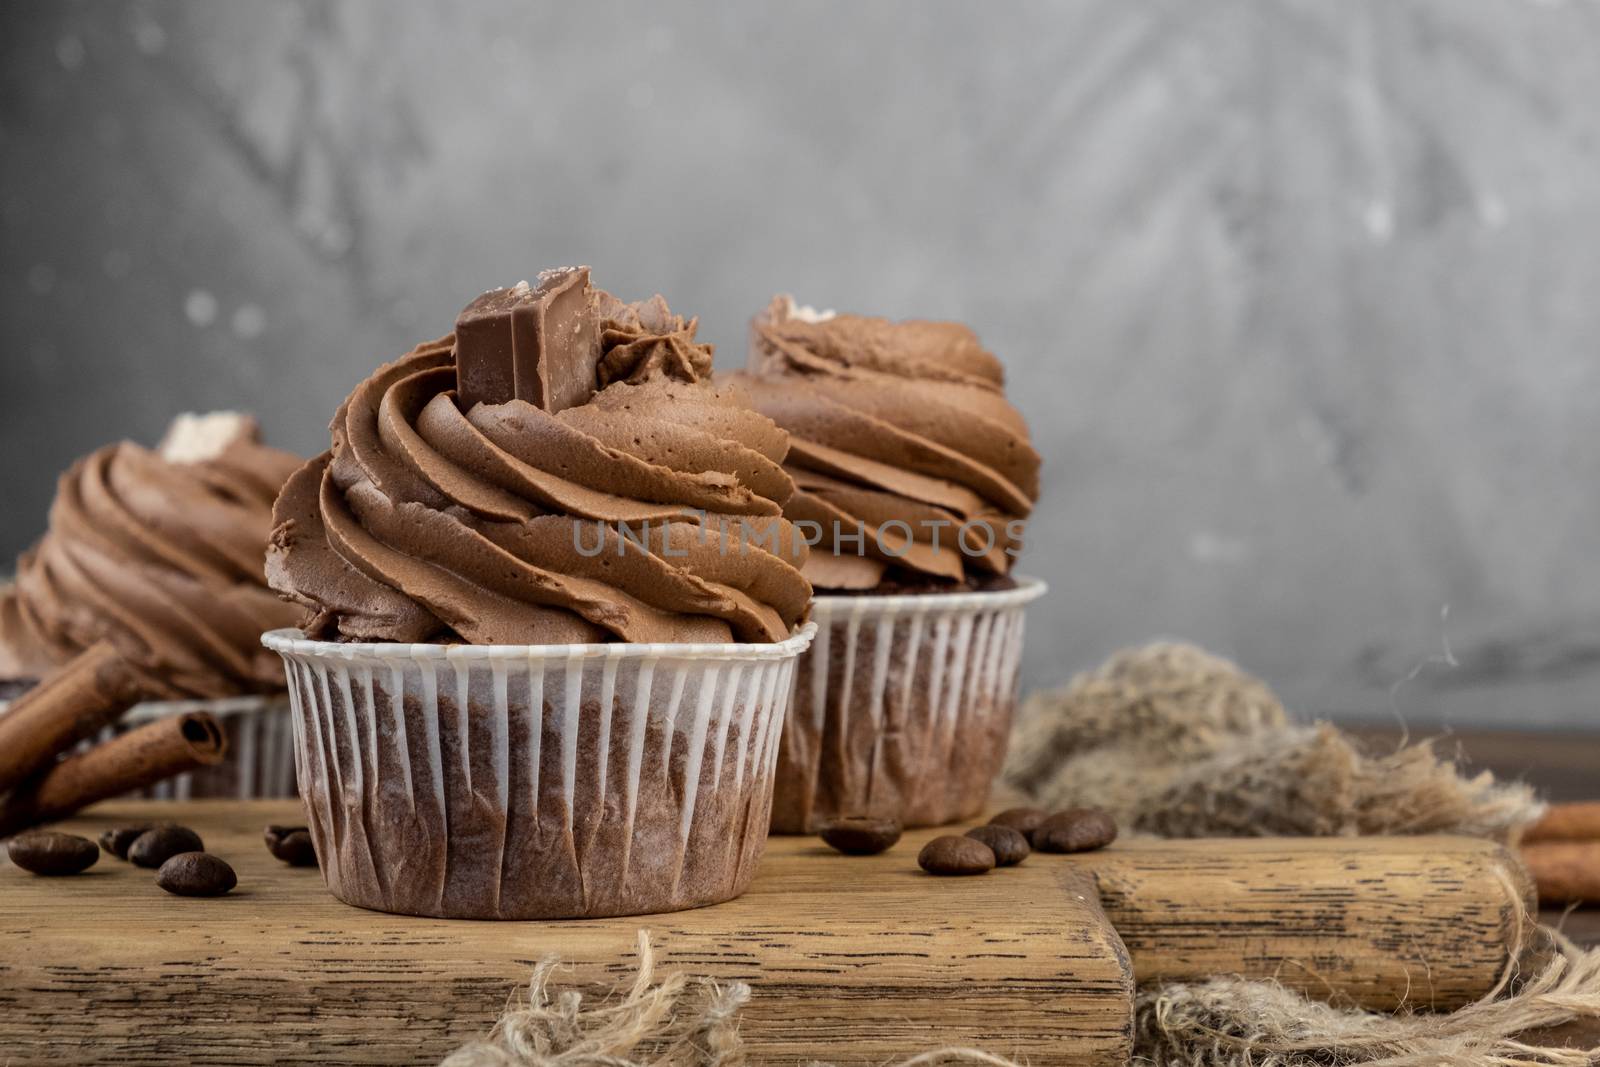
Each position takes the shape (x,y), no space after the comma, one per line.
(1302,298)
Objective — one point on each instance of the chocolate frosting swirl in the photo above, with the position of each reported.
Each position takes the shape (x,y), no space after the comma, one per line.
(507,524)
(900,430)
(645,340)
(162,557)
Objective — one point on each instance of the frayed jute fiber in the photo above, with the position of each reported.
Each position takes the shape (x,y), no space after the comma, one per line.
(1229,1022)
(1179,743)
(678,1022)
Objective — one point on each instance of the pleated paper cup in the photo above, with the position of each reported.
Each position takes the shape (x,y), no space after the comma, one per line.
(902,708)
(537,782)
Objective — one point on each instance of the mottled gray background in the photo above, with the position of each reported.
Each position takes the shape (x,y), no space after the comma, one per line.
(1301,298)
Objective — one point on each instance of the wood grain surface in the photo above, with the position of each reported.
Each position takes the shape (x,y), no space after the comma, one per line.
(852,959)
(1427,922)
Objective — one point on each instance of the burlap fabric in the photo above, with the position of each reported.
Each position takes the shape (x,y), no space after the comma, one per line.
(1180,743)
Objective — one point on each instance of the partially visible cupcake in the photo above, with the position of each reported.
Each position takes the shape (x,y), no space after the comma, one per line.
(535,678)
(913,477)
(161,552)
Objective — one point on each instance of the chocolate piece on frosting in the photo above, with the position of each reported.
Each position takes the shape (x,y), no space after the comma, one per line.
(194,438)
(532,343)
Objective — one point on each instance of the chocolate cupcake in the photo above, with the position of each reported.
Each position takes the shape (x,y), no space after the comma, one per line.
(913,478)
(536,677)
(160,551)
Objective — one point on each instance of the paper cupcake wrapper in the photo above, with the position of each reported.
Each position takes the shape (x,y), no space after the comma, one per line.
(902,708)
(497,782)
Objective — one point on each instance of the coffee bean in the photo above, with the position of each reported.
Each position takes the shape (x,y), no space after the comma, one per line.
(1075,830)
(955,855)
(291,844)
(862,835)
(154,847)
(117,840)
(52,854)
(196,874)
(1023,820)
(1008,845)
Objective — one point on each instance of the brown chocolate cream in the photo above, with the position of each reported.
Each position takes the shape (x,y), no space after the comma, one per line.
(908,462)
(595,487)
(161,552)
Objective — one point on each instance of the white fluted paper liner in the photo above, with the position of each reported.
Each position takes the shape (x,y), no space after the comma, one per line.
(902,708)
(537,782)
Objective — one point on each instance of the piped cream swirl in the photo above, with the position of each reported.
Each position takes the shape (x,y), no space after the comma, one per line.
(162,557)
(899,432)
(506,524)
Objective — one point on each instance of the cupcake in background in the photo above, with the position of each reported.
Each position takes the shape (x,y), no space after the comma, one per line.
(536,677)
(161,551)
(913,479)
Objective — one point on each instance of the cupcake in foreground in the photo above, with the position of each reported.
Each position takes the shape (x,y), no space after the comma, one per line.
(538,676)
(913,478)
(160,552)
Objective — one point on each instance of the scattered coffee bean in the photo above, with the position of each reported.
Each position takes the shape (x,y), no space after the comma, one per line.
(196,874)
(292,845)
(955,855)
(1075,830)
(154,847)
(862,835)
(117,840)
(1008,845)
(1023,820)
(52,854)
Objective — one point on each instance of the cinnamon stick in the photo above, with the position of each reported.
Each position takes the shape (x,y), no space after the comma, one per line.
(1565,871)
(90,691)
(1578,821)
(138,758)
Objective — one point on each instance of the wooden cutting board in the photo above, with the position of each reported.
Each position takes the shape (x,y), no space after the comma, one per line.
(855,960)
